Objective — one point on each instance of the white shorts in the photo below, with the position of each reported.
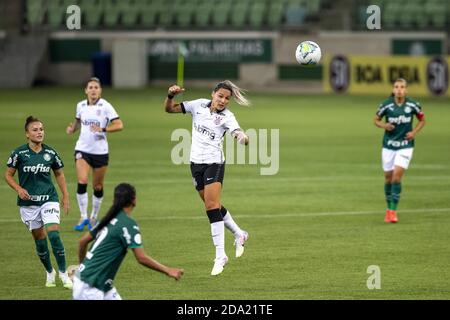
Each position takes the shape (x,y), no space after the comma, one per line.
(36,217)
(392,158)
(83,291)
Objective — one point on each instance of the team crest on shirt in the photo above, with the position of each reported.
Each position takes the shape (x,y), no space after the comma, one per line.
(47,157)
(217,120)
(407,109)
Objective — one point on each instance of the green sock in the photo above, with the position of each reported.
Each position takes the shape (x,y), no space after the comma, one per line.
(388,194)
(42,252)
(396,190)
(58,250)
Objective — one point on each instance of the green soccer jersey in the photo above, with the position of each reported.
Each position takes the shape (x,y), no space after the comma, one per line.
(35,173)
(103,260)
(402,118)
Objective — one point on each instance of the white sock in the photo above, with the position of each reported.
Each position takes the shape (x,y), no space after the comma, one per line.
(218,236)
(83,204)
(232,226)
(96,203)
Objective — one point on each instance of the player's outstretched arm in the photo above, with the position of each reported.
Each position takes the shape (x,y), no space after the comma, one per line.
(169,105)
(147,261)
(240,136)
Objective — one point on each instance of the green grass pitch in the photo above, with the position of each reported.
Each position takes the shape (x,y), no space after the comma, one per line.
(315,227)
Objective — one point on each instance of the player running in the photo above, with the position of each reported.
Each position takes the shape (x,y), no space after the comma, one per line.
(37,196)
(96,117)
(116,233)
(398,141)
(211,119)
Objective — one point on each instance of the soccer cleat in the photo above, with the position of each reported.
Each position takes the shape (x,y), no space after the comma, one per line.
(239,244)
(387,217)
(394,218)
(65,279)
(92,223)
(219,264)
(80,226)
(50,283)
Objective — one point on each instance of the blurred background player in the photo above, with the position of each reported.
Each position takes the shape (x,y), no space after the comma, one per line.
(398,141)
(210,121)
(116,233)
(96,117)
(37,196)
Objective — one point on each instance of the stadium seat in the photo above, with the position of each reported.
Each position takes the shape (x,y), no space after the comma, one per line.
(257,14)
(221,13)
(391,14)
(202,15)
(239,13)
(148,13)
(313,6)
(35,12)
(112,13)
(130,13)
(276,10)
(92,12)
(438,14)
(295,15)
(165,16)
(184,12)
(57,12)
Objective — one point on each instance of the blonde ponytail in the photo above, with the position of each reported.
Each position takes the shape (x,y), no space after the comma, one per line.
(236,92)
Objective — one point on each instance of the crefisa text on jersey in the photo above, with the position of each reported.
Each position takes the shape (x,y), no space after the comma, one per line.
(226,309)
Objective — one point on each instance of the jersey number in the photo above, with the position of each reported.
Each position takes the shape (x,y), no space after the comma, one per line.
(97,242)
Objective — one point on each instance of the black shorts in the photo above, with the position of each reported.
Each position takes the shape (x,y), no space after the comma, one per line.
(204,174)
(94,160)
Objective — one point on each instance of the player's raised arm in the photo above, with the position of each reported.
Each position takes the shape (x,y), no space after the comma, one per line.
(169,105)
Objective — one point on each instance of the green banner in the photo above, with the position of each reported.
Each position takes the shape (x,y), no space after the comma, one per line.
(416,47)
(201,50)
(76,50)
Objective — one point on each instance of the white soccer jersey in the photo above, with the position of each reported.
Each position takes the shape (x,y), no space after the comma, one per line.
(100,114)
(208,130)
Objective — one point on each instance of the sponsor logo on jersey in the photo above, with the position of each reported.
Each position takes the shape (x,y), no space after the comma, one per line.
(47,157)
(90,122)
(397,143)
(39,198)
(58,160)
(205,131)
(36,169)
(399,119)
(23,151)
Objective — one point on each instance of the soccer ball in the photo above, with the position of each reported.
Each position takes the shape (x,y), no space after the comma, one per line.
(308,53)
(72,269)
